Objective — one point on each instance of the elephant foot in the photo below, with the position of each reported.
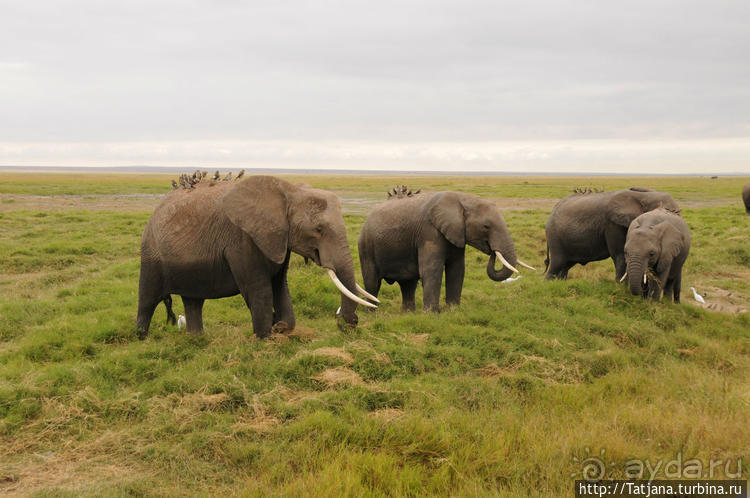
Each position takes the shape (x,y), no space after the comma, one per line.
(281,327)
(346,324)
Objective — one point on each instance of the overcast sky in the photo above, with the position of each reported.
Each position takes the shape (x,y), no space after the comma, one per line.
(601,86)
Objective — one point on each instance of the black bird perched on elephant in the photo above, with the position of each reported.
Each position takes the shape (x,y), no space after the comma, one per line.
(416,237)
(656,247)
(592,226)
(219,239)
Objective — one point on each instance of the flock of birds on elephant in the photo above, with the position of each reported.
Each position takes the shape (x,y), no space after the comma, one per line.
(190,181)
(237,238)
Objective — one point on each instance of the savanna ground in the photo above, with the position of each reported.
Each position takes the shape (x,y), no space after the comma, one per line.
(506,395)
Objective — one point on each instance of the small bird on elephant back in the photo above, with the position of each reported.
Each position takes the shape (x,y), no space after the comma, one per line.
(415,235)
(656,247)
(593,227)
(219,239)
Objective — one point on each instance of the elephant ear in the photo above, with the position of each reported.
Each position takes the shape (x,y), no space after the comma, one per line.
(671,245)
(447,215)
(624,207)
(258,206)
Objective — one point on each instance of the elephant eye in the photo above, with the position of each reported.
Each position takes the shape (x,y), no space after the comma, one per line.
(486,226)
(319,229)
(651,253)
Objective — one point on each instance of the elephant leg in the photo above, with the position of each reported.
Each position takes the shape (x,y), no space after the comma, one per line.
(620,265)
(146,309)
(656,286)
(256,286)
(171,319)
(193,314)
(149,296)
(260,302)
(558,265)
(408,291)
(371,279)
(615,237)
(669,289)
(283,312)
(431,265)
(454,279)
(677,287)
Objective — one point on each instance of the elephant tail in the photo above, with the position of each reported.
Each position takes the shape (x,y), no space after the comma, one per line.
(546,260)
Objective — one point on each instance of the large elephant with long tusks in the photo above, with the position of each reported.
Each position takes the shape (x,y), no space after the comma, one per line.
(419,236)
(221,238)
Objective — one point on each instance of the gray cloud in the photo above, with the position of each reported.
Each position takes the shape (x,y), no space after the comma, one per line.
(383,72)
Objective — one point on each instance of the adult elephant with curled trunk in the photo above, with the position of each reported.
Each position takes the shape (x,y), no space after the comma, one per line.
(215,239)
(418,236)
(657,245)
(589,227)
(746,197)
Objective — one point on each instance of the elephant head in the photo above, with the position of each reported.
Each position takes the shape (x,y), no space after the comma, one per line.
(652,244)
(627,205)
(467,219)
(280,217)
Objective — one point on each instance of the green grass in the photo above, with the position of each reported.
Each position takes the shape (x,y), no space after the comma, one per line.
(504,395)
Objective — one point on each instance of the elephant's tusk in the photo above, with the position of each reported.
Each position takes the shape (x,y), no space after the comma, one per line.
(347,292)
(525,265)
(645,279)
(366,294)
(624,276)
(505,262)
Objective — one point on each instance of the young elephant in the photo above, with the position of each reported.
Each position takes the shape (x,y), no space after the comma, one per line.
(657,245)
(210,239)
(746,197)
(417,236)
(587,227)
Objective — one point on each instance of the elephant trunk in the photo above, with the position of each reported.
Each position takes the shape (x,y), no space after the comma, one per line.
(341,271)
(502,243)
(635,277)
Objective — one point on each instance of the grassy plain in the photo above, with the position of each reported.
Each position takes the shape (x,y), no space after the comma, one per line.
(506,395)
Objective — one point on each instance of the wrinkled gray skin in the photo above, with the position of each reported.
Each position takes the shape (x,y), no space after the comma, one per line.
(411,238)
(746,197)
(225,238)
(591,227)
(658,242)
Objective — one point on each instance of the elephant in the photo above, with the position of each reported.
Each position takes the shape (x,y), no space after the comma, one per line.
(415,236)
(746,197)
(212,239)
(592,226)
(656,247)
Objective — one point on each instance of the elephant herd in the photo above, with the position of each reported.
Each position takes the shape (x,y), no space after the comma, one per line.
(212,238)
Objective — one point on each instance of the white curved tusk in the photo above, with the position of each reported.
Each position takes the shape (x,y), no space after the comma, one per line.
(366,294)
(505,262)
(645,279)
(624,276)
(525,265)
(347,292)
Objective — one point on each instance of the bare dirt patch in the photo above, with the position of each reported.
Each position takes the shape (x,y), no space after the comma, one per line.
(336,353)
(71,466)
(719,300)
(333,377)
(94,202)
(418,339)
(387,414)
